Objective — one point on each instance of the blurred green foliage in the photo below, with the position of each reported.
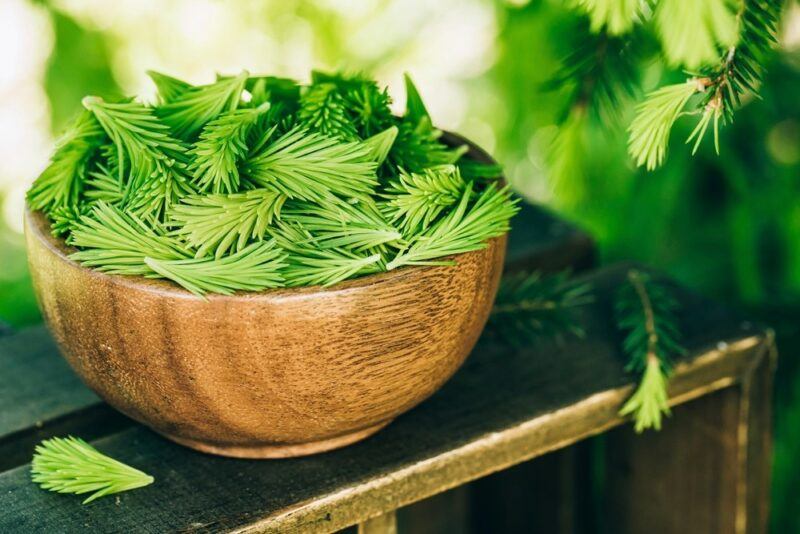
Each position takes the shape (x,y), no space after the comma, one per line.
(726,225)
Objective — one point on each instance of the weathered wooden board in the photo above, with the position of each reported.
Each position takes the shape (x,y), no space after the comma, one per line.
(41,396)
(29,360)
(504,407)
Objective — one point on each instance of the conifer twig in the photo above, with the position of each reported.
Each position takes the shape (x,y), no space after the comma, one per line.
(70,465)
(530,306)
(645,310)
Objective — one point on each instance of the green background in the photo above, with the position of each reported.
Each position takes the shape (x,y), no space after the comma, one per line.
(727,226)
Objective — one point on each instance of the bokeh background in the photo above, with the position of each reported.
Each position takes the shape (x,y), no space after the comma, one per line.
(727,226)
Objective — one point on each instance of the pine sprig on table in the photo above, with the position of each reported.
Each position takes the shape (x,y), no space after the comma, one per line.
(531,306)
(70,465)
(646,312)
(220,193)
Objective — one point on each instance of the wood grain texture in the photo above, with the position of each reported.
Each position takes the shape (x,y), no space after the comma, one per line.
(503,407)
(271,374)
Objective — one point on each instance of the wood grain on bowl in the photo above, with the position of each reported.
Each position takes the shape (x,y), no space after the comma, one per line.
(270,374)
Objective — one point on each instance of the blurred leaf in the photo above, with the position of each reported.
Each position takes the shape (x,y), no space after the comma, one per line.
(79,65)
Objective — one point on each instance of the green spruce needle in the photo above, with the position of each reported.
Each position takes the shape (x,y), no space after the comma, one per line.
(415,200)
(464,229)
(70,465)
(61,182)
(220,222)
(256,182)
(646,312)
(310,166)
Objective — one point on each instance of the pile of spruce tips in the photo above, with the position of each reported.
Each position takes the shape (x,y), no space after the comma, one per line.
(260,182)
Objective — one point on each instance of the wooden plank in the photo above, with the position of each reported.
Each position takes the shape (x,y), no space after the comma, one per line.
(383,524)
(504,407)
(29,360)
(708,468)
(41,396)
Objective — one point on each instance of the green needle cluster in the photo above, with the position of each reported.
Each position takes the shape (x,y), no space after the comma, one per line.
(646,312)
(70,465)
(257,182)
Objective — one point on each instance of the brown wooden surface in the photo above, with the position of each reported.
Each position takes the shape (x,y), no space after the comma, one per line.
(504,407)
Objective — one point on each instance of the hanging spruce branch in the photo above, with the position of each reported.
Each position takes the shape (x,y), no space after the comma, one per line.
(70,465)
(721,88)
(532,306)
(646,312)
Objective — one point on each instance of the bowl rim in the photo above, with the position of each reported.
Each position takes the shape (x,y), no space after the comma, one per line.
(38,225)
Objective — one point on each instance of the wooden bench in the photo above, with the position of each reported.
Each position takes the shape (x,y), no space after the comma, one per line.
(447,465)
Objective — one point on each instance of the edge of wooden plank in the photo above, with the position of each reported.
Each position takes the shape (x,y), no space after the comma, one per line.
(501,450)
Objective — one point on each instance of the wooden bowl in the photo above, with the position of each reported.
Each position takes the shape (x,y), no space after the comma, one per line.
(273,374)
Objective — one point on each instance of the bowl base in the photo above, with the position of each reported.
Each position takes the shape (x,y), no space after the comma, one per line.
(289,450)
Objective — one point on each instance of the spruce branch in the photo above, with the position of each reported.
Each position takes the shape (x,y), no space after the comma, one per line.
(60,184)
(220,222)
(254,268)
(599,73)
(356,226)
(308,265)
(70,465)
(650,129)
(221,146)
(309,166)
(738,73)
(646,312)
(415,200)
(323,110)
(531,306)
(463,229)
(117,242)
(156,177)
(193,108)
